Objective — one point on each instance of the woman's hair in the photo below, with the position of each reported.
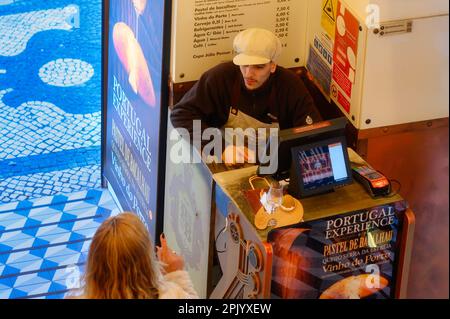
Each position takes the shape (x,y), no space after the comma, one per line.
(121,262)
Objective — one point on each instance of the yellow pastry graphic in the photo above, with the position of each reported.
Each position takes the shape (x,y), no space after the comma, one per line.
(355,287)
(132,58)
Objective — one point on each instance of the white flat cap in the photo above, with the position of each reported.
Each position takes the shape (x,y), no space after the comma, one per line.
(256,46)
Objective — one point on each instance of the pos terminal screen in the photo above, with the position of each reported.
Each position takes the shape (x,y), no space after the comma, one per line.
(321,165)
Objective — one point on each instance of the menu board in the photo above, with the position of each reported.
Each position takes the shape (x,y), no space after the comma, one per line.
(204,30)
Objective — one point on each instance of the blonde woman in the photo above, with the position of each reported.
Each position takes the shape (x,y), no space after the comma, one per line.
(122,264)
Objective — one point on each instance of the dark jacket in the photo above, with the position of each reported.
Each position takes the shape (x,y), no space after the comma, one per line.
(283,95)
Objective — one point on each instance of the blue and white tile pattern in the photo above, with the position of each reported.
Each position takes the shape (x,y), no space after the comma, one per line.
(18,29)
(18,188)
(38,127)
(44,242)
(66,72)
(49,144)
(50,115)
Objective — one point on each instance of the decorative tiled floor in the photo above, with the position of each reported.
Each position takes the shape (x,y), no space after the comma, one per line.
(50,98)
(44,242)
(50,79)
(44,184)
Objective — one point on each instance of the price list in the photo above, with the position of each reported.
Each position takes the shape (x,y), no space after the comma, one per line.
(206,34)
(282,20)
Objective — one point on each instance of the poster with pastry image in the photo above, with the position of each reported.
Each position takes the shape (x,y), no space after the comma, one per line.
(134,76)
(132,58)
(346,256)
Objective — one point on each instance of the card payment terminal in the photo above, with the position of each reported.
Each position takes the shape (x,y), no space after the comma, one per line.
(375,183)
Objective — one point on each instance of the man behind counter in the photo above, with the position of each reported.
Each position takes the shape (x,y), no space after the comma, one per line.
(252,92)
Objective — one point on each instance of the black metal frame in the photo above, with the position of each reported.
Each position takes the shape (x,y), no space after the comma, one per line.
(162,143)
(104,95)
(163,118)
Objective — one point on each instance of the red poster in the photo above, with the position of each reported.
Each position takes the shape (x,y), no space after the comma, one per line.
(342,80)
(342,100)
(345,49)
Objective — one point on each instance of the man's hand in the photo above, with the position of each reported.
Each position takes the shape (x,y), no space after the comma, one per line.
(170,259)
(236,156)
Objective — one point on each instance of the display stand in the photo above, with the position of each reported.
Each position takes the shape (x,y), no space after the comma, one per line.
(217,220)
(250,259)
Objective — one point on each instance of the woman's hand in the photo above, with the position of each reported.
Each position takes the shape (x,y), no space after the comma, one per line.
(170,259)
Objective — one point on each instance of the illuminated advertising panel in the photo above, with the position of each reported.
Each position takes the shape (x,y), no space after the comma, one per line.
(347,256)
(134,108)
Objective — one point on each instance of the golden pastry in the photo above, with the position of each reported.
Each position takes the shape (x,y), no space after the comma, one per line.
(355,287)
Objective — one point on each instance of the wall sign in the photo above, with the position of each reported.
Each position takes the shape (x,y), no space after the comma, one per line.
(344,57)
(204,30)
(320,61)
(328,18)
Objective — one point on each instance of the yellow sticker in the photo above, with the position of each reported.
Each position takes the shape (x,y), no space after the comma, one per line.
(328,19)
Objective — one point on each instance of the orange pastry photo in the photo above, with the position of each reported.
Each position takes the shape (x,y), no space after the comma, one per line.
(355,287)
(132,58)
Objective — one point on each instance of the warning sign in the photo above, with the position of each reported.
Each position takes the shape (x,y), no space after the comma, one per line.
(344,56)
(329,9)
(334,91)
(328,19)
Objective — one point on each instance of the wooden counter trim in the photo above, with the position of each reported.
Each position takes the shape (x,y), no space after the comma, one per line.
(266,286)
(402,128)
(404,261)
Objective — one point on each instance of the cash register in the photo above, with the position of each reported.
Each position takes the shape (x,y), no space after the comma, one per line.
(313,158)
